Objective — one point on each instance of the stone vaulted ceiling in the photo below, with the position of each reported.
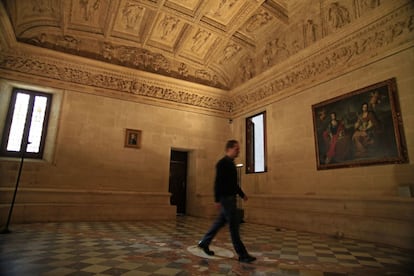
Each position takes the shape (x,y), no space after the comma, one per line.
(195,40)
(219,43)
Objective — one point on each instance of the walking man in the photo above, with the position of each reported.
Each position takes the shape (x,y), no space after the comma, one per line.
(225,191)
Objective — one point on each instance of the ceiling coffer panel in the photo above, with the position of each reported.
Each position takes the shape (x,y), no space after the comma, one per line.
(167,32)
(26,15)
(88,16)
(219,43)
(132,21)
(187,7)
(194,40)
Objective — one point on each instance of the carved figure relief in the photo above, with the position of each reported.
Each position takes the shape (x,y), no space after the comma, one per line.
(310,30)
(107,51)
(339,57)
(168,24)
(137,57)
(393,30)
(36,8)
(41,6)
(295,47)
(363,6)
(410,24)
(89,8)
(186,2)
(338,15)
(61,42)
(268,54)
(183,70)
(215,80)
(199,39)
(229,52)
(155,62)
(203,74)
(160,62)
(247,69)
(224,7)
(370,4)
(275,50)
(68,42)
(258,20)
(38,40)
(339,12)
(132,14)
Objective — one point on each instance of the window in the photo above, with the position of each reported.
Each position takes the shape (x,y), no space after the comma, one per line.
(256,143)
(26,121)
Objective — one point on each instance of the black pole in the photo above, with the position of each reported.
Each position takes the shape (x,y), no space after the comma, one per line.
(239,205)
(6,230)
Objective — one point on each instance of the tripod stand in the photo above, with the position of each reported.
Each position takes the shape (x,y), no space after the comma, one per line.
(5,229)
(240,210)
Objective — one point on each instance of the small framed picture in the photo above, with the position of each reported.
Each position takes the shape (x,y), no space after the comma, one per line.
(133,138)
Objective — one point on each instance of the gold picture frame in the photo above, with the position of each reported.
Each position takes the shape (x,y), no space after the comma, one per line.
(360,128)
(133,138)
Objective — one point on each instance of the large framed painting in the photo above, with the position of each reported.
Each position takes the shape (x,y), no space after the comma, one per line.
(360,128)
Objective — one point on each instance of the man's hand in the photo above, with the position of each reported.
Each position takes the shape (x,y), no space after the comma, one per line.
(245,198)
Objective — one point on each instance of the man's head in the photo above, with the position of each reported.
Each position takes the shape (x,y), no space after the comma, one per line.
(322,114)
(365,107)
(232,149)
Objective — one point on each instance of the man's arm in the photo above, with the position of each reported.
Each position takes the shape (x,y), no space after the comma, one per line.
(240,192)
(218,185)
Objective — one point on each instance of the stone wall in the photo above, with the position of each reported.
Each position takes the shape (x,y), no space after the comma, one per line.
(362,202)
(89,175)
(92,176)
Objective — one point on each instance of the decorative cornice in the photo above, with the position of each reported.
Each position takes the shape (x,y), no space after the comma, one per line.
(128,56)
(389,32)
(333,57)
(122,83)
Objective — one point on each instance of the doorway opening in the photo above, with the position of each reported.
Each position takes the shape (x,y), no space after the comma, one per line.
(178,180)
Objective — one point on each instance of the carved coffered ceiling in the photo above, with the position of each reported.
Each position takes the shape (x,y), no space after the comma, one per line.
(219,43)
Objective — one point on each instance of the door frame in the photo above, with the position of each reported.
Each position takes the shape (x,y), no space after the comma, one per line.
(188,152)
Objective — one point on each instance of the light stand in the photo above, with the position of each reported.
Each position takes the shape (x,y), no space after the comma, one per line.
(5,229)
(239,202)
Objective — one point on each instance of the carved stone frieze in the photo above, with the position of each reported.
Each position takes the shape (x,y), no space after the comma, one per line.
(311,32)
(363,6)
(198,41)
(229,52)
(258,20)
(353,46)
(133,57)
(123,84)
(387,33)
(318,21)
(338,15)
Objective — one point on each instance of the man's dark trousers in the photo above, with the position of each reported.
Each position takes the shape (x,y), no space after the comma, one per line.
(228,213)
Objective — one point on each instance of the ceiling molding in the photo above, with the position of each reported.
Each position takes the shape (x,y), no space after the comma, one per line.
(389,29)
(114,80)
(180,39)
(333,57)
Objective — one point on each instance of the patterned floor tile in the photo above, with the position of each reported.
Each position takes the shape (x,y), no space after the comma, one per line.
(161,248)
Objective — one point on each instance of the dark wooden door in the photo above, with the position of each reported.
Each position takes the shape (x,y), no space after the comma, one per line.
(178,180)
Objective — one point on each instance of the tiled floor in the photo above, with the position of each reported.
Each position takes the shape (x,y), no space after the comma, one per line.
(165,248)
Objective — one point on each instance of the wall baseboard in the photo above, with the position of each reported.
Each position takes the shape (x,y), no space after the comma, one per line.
(54,205)
(382,220)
